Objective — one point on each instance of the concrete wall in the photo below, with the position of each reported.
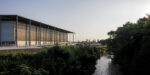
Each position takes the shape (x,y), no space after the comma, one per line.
(7,31)
(34,43)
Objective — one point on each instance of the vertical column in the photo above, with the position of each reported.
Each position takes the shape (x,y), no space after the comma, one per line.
(40,35)
(73,37)
(36,37)
(0,31)
(26,33)
(54,35)
(29,32)
(46,36)
(68,37)
(63,37)
(58,36)
(16,31)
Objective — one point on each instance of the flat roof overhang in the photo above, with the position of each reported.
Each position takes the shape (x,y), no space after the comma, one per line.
(27,20)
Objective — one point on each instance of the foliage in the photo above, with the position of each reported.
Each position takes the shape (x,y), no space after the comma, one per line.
(53,61)
(130,45)
(103,42)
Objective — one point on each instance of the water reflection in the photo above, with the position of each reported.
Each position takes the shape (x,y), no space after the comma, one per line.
(105,67)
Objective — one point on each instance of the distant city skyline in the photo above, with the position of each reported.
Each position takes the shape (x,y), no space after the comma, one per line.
(89,19)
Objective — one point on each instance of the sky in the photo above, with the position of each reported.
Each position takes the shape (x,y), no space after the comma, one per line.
(89,19)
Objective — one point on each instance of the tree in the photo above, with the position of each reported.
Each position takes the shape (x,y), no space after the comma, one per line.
(131,48)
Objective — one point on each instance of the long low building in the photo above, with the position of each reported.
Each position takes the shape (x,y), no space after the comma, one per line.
(16,30)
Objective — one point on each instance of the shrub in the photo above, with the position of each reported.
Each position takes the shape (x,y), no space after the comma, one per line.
(55,60)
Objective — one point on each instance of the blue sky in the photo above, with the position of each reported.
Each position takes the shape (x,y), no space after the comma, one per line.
(89,19)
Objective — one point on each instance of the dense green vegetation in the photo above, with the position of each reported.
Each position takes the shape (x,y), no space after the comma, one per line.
(53,61)
(130,45)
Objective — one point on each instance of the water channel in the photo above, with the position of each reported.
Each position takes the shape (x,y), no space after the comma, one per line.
(105,67)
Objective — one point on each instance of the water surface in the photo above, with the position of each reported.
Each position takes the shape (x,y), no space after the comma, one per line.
(105,67)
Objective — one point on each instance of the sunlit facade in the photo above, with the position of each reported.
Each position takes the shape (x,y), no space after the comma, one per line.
(20,31)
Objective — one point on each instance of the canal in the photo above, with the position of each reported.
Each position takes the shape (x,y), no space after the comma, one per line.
(104,66)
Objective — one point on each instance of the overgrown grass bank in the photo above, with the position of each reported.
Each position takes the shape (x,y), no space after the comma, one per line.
(53,61)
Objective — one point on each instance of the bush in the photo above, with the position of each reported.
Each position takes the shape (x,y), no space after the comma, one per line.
(130,45)
(53,61)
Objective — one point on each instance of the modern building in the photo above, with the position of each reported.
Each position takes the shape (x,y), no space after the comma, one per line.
(16,30)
